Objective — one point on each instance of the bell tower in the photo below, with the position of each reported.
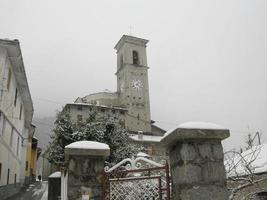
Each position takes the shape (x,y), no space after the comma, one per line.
(132,82)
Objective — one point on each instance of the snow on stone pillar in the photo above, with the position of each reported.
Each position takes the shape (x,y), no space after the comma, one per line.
(85,162)
(196,161)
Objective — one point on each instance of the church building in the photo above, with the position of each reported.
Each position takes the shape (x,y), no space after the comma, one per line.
(131,100)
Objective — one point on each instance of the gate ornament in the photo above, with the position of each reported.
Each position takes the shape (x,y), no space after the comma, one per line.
(137,179)
(133,164)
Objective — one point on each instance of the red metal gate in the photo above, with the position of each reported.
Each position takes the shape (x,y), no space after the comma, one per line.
(151,183)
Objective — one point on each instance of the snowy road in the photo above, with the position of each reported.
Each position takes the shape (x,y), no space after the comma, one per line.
(36,191)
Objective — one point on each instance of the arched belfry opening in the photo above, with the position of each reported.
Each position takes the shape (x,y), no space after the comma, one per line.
(135,58)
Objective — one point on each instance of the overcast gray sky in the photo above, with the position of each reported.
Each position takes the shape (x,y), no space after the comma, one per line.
(207,58)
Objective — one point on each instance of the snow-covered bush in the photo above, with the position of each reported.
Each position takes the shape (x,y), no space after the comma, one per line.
(107,130)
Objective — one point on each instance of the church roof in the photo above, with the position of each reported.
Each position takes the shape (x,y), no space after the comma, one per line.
(100,106)
(130,39)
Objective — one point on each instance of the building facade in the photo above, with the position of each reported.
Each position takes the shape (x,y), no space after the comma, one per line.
(16,112)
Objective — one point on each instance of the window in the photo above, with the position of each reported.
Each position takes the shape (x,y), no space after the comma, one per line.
(20,112)
(8,171)
(135,58)
(0,170)
(79,118)
(18,141)
(15,179)
(8,79)
(121,61)
(16,96)
(79,108)
(11,137)
(1,123)
(26,166)
(4,126)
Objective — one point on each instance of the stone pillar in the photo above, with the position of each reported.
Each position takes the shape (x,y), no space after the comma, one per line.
(85,162)
(196,161)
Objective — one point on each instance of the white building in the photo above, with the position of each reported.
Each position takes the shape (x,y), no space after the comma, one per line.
(16,111)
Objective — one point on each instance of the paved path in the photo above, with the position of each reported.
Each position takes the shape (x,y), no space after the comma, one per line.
(36,191)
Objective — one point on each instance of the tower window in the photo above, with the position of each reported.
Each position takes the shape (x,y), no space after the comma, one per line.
(135,58)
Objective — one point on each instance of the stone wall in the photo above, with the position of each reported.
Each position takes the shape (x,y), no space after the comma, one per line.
(84,177)
(198,164)
(196,161)
(84,164)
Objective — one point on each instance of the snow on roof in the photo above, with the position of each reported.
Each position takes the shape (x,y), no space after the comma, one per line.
(201,125)
(101,106)
(255,158)
(87,145)
(55,175)
(146,138)
(196,125)
(142,154)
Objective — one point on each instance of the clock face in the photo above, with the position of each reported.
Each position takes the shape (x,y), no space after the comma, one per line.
(137,84)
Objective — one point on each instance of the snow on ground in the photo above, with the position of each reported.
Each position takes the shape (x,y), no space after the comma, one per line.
(45,195)
(254,159)
(87,145)
(37,191)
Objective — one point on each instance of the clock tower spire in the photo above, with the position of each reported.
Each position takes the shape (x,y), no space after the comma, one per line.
(132,82)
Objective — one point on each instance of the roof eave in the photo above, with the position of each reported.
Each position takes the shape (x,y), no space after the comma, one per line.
(15,57)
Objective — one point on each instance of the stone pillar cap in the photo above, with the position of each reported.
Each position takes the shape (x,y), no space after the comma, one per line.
(193,131)
(87,148)
(56,174)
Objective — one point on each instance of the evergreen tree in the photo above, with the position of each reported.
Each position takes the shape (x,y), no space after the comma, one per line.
(106,130)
